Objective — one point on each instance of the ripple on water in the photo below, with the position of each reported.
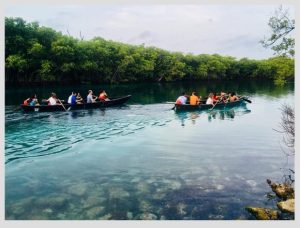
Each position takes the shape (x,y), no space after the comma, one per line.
(41,134)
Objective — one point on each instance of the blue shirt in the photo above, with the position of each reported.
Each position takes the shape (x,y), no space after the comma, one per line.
(73,100)
(32,103)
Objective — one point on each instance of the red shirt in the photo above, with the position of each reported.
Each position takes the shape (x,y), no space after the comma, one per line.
(26,102)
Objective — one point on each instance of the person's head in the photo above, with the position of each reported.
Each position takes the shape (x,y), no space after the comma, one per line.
(211,95)
(74,94)
(101,91)
(53,95)
(233,94)
(194,94)
(184,94)
(90,91)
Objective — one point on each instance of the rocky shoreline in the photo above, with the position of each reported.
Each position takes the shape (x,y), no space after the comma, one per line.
(285,206)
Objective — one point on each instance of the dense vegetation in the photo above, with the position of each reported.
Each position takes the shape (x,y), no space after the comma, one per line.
(37,54)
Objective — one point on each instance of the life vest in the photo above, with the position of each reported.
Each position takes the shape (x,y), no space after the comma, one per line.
(26,102)
(102,96)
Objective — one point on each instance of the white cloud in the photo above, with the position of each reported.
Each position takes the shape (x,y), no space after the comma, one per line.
(227,30)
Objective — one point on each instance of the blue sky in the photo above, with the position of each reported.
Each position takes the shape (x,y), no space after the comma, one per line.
(233,30)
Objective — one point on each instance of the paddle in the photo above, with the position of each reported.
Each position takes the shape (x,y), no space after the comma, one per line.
(214,105)
(62,105)
(245,99)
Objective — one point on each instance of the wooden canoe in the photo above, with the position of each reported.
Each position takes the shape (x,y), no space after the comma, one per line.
(99,104)
(188,107)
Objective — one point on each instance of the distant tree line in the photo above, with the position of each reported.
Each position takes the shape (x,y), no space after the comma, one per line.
(40,55)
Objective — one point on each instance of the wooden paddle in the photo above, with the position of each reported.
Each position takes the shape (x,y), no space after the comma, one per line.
(245,99)
(214,105)
(62,104)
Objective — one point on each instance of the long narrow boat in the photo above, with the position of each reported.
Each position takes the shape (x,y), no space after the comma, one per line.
(188,107)
(99,104)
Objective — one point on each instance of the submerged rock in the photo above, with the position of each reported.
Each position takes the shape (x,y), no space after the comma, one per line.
(94,212)
(106,217)
(215,217)
(142,187)
(145,206)
(61,216)
(147,216)
(283,191)
(53,202)
(180,209)
(48,210)
(117,193)
(77,189)
(263,213)
(252,183)
(287,206)
(129,215)
(92,201)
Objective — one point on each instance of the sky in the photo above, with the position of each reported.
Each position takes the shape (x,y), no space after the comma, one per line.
(229,30)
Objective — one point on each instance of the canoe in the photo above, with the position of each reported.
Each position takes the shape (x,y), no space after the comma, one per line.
(188,107)
(99,104)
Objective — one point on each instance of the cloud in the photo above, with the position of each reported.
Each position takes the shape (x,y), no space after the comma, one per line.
(224,29)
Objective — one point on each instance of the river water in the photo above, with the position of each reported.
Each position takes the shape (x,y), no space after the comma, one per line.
(143,160)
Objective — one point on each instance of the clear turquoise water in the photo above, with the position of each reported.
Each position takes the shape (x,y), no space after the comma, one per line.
(143,160)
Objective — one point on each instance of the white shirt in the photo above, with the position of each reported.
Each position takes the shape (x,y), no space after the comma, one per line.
(89,98)
(182,99)
(52,101)
(70,99)
(209,101)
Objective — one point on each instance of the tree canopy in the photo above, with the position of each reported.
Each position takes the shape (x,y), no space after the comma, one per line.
(36,54)
(281,40)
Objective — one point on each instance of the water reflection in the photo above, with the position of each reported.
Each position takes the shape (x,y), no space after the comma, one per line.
(154,92)
(224,114)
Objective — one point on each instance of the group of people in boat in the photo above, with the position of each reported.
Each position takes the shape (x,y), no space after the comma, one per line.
(212,98)
(73,99)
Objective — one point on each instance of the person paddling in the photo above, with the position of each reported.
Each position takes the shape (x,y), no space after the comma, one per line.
(194,99)
(34,101)
(233,97)
(27,101)
(79,99)
(70,98)
(103,96)
(210,99)
(52,100)
(90,97)
(182,99)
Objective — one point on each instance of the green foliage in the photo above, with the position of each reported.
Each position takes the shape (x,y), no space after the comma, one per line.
(45,71)
(281,40)
(40,55)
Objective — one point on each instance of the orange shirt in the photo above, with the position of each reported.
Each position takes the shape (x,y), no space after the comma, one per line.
(194,100)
